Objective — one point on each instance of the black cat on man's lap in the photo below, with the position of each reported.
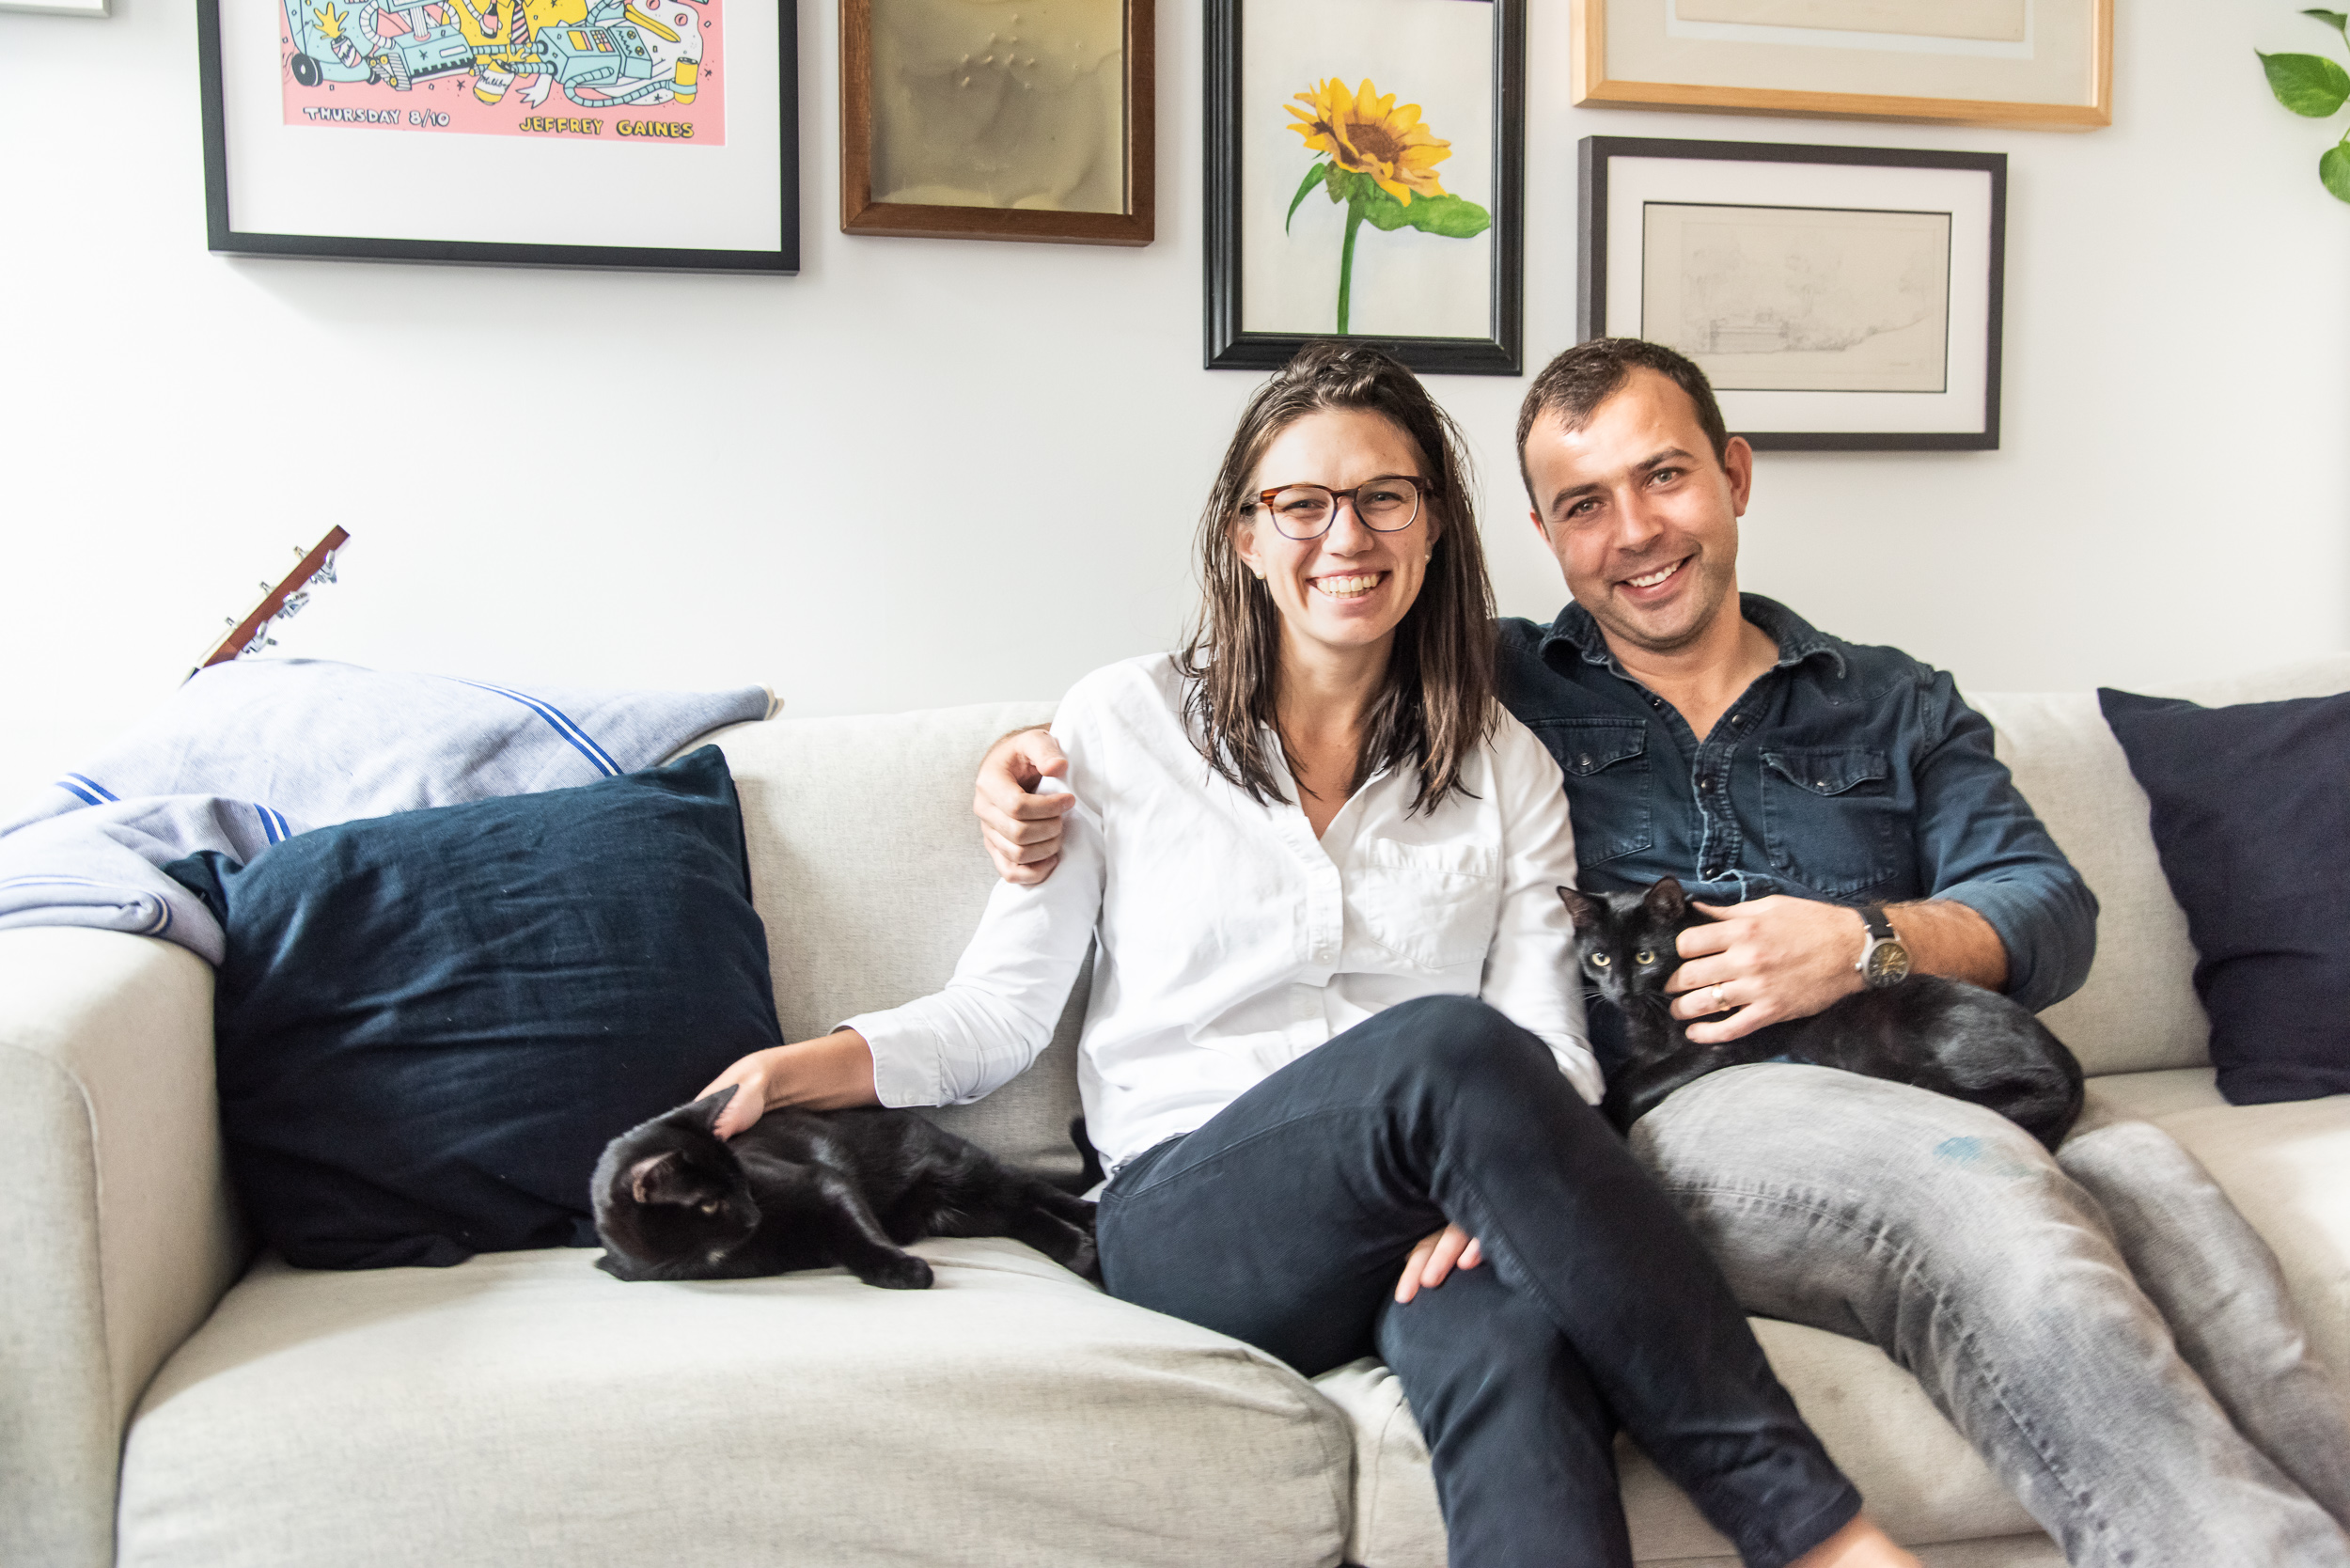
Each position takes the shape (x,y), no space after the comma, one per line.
(1938,1034)
(809,1189)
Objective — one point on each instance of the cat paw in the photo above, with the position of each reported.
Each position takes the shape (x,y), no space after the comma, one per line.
(907,1273)
(1084,1261)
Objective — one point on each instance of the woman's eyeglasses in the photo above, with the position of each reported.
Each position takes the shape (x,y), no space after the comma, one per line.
(1385,505)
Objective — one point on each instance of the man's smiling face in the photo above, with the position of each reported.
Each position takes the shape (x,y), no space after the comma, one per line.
(1641,515)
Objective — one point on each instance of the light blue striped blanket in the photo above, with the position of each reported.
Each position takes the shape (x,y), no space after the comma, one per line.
(254,751)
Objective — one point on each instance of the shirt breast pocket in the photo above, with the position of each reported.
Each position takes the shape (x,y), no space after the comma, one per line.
(1832,818)
(1433,906)
(1607,767)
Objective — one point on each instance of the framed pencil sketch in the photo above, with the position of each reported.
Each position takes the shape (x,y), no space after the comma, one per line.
(637,134)
(1839,298)
(2042,65)
(981,119)
(1366,168)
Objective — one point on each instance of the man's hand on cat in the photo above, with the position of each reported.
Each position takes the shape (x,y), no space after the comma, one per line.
(830,1073)
(1433,1258)
(1022,831)
(1774,958)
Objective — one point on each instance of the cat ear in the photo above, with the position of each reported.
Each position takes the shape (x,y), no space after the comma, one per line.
(1666,900)
(652,1179)
(705,1110)
(1581,906)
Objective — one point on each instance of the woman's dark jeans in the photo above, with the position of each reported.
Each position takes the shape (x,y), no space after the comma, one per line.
(1285,1222)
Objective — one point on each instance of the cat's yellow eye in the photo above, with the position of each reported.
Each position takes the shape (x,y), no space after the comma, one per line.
(711,1207)
(1599,961)
(1644,956)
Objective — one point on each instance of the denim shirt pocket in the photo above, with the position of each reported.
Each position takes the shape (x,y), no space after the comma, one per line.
(1831,818)
(1607,767)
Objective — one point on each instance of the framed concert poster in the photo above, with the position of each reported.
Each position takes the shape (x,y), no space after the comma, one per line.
(2036,65)
(637,134)
(975,119)
(1365,176)
(1839,298)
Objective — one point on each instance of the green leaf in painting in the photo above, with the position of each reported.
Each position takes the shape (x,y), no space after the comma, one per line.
(2307,85)
(1312,175)
(1454,217)
(1451,216)
(2334,169)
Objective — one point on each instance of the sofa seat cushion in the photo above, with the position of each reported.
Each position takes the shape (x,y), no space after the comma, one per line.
(2287,1167)
(1922,1480)
(523,1408)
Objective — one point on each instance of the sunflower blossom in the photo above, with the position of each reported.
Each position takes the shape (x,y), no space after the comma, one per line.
(1366,133)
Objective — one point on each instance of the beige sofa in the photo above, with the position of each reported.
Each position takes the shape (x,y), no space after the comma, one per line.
(167,1400)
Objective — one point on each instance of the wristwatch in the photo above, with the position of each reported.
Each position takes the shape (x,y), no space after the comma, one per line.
(1883,961)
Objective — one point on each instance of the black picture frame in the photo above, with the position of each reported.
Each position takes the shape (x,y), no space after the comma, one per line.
(1592,250)
(223,240)
(1228,347)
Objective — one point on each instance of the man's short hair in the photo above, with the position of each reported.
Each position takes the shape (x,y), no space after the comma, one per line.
(1575,384)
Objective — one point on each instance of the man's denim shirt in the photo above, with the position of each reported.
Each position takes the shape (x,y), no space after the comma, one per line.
(1849,774)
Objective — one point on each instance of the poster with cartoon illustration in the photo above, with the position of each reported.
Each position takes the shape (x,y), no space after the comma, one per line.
(641,71)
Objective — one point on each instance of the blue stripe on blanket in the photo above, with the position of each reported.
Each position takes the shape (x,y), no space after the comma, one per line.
(89,789)
(561,723)
(273,826)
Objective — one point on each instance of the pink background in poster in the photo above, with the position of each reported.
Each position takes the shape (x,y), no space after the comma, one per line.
(448,105)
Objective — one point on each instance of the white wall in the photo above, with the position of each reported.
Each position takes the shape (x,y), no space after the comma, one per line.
(932,472)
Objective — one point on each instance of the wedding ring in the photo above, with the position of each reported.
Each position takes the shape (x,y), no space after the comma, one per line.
(1718,1003)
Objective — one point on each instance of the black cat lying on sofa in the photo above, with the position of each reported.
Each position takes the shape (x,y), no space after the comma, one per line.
(808,1189)
(1939,1034)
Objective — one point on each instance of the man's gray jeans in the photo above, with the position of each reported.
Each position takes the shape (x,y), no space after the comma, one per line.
(2103,1326)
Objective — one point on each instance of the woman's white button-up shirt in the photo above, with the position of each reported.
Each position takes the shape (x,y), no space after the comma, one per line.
(1231,940)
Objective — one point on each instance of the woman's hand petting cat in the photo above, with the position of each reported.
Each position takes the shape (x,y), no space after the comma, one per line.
(1021,829)
(1434,1257)
(830,1073)
(1774,958)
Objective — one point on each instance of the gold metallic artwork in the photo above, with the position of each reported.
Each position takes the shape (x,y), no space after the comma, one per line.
(999,103)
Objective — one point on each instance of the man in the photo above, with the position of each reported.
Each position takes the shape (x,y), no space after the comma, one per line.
(2102,1326)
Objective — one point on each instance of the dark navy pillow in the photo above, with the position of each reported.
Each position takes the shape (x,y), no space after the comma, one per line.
(2251,811)
(429,1025)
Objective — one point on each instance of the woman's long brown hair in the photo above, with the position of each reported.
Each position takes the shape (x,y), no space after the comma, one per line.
(1435,705)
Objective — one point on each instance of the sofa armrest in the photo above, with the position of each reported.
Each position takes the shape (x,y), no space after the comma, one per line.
(117,1231)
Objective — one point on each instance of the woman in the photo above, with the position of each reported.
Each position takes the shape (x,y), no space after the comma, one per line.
(1329,1037)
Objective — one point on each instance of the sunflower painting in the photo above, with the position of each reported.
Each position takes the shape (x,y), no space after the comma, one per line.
(1364,179)
(1378,160)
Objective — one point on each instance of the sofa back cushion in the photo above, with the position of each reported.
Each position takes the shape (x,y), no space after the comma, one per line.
(2139,1010)
(867,867)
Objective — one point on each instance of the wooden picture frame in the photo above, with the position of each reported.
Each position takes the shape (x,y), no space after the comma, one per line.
(1233,342)
(436,145)
(1683,242)
(2058,75)
(861,213)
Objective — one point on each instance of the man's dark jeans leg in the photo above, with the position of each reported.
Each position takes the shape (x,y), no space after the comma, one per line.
(1285,1220)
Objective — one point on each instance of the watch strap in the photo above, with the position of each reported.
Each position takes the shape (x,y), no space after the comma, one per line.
(1879,927)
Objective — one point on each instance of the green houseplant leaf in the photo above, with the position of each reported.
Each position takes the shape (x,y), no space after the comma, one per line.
(2307,85)
(2334,169)
(2335,20)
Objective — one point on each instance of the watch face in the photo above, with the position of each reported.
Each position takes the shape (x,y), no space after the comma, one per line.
(1888,961)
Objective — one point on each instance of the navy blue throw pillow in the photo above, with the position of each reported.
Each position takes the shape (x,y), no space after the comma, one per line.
(429,1025)
(2251,809)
